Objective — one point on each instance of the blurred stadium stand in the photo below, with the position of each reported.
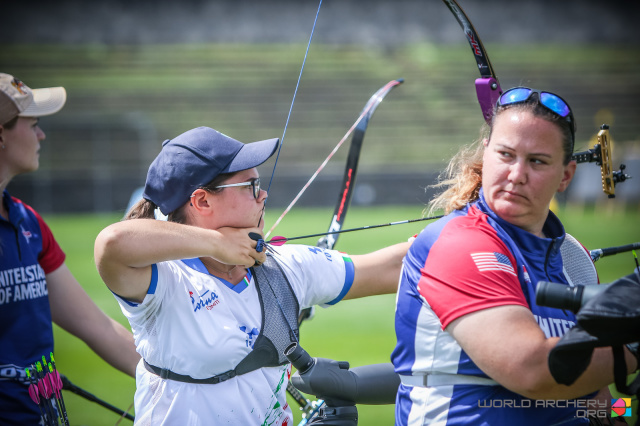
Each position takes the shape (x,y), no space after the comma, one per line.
(140,72)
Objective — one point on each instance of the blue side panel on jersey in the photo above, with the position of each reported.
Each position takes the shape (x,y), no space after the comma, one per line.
(348,282)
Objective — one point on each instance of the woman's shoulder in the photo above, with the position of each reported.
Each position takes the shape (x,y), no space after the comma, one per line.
(25,209)
(460,226)
(300,252)
(304,261)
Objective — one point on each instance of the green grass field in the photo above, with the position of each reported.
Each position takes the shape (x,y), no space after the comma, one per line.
(359,331)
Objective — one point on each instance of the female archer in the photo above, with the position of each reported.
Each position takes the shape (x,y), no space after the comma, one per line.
(472,344)
(211,313)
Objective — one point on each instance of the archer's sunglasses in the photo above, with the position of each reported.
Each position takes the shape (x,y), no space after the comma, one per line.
(254,183)
(551,101)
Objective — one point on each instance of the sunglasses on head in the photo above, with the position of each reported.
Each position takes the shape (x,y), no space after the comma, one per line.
(254,183)
(551,101)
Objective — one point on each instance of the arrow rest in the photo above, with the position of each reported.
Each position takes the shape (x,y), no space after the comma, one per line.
(601,155)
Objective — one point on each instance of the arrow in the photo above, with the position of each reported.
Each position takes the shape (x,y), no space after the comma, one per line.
(34,394)
(56,384)
(67,385)
(278,241)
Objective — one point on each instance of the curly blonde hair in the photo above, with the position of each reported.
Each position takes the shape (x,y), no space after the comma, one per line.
(462,179)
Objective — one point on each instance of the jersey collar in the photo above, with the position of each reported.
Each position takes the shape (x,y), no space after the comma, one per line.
(197,265)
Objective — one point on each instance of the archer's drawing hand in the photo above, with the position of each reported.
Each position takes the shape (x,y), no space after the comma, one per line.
(239,248)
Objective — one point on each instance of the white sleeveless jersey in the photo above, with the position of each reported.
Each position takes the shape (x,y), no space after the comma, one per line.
(195,324)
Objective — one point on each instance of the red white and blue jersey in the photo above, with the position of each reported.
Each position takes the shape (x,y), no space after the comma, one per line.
(468,261)
(28,251)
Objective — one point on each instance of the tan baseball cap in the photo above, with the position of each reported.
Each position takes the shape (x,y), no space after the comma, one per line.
(17,99)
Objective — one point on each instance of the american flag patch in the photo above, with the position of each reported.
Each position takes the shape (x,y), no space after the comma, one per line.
(488,261)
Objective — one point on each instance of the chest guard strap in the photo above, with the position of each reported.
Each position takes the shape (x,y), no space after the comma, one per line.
(280,309)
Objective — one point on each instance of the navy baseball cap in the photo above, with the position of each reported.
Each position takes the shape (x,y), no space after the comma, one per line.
(193,159)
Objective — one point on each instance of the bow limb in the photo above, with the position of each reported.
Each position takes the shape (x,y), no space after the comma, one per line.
(487,86)
(361,124)
(351,168)
(344,199)
(359,128)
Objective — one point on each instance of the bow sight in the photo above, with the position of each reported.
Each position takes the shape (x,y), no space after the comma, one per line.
(601,155)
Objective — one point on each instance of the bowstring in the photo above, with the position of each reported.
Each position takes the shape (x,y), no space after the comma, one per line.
(295,93)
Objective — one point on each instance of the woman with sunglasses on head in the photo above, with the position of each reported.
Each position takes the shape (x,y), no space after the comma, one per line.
(211,312)
(472,344)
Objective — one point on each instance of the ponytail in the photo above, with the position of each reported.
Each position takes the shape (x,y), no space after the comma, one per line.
(462,180)
(143,209)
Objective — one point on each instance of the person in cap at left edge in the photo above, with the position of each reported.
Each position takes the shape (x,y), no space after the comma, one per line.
(36,287)
(211,312)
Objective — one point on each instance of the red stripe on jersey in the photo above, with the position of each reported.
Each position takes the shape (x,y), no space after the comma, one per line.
(52,256)
(454,283)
